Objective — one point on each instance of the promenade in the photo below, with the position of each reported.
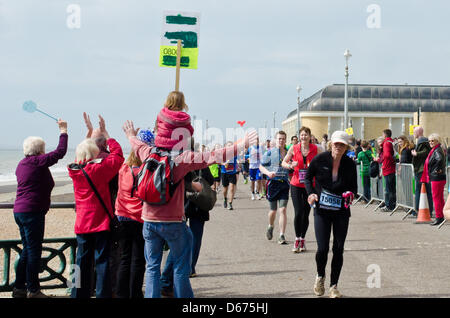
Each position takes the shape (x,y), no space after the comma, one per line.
(237,261)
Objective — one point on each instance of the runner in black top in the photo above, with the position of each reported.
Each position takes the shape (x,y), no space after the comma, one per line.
(335,187)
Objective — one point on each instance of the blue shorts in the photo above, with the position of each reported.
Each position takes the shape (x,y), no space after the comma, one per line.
(255,175)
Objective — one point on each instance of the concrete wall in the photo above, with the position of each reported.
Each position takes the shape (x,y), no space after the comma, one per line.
(435,123)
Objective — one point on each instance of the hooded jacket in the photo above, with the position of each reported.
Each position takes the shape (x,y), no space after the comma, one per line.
(173,128)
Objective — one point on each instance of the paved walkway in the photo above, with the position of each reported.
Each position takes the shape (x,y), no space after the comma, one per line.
(238,261)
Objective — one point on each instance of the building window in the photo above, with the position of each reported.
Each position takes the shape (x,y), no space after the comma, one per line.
(386,93)
(425,93)
(405,92)
(365,92)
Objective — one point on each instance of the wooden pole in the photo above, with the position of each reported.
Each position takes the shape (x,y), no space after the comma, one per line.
(177,79)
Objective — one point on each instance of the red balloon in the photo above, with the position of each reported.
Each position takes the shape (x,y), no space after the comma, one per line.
(241,123)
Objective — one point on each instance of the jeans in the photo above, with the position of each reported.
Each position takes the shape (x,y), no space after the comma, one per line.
(31,227)
(323,225)
(131,268)
(390,191)
(196,227)
(366,187)
(418,176)
(93,246)
(301,210)
(179,238)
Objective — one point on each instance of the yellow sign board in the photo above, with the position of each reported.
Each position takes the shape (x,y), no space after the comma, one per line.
(411,129)
(349,131)
(168,57)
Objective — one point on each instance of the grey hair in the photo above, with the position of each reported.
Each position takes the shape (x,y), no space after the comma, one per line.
(86,150)
(33,146)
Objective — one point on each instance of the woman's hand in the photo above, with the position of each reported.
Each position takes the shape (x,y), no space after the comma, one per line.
(312,199)
(62,126)
(271,175)
(128,128)
(294,164)
(102,127)
(89,126)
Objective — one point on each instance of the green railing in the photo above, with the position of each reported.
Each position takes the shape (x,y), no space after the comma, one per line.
(9,246)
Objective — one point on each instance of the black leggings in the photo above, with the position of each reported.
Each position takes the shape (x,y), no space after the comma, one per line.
(323,224)
(301,210)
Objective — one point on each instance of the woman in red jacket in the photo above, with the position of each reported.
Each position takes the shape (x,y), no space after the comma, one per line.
(301,155)
(92,223)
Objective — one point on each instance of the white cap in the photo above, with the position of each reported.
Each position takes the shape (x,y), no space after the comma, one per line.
(340,136)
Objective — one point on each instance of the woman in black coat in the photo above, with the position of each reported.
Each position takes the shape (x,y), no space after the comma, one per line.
(331,183)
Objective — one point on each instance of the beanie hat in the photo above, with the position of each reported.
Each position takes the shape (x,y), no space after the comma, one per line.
(173,124)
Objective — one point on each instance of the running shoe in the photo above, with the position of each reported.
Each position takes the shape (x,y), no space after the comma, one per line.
(319,286)
(296,248)
(260,197)
(302,245)
(230,206)
(269,233)
(253,196)
(282,240)
(225,203)
(334,292)
(245,181)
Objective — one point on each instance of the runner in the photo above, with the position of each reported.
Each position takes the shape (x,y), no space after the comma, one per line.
(301,155)
(216,173)
(245,166)
(255,154)
(277,185)
(294,141)
(331,195)
(229,172)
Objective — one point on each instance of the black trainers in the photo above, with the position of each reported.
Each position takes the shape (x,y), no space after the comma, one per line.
(225,203)
(437,221)
(282,240)
(230,206)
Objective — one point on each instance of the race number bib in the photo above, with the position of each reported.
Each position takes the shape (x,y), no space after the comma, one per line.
(229,167)
(329,201)
(302,175)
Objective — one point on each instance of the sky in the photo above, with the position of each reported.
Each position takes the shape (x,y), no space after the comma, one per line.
(252,56)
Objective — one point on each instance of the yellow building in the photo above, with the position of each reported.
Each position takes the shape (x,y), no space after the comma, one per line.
(373,108)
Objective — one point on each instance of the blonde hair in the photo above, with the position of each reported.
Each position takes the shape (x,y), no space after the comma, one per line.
(33,146)
(133,160)
(175,101)
(435,136)
(86,150)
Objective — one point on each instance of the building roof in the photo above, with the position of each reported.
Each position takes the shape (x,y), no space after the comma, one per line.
(379,98)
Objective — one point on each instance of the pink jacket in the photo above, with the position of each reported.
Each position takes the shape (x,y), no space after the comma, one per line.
(188,161)
(171,122)
(130,207)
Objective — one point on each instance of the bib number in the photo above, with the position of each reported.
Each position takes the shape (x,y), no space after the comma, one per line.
(302,175)
(329,201)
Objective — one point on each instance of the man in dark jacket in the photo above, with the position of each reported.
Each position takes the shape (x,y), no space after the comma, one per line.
(420,154)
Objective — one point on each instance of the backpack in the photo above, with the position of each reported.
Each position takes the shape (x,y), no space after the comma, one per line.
(153,183)
(374,169)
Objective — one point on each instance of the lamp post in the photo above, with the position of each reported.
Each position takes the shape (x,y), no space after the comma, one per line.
(347,56)
(298,110)
(274,122)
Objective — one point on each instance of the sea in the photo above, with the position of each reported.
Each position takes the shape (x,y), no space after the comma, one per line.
(10,158)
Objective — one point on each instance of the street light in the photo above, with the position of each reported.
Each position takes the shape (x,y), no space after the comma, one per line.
(347,56)
(298,109)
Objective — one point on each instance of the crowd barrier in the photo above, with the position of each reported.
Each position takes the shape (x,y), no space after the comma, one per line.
(405,185)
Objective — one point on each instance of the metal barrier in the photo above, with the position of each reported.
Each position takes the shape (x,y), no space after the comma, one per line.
(360,191)
(7,246)
(376,192)
(404,178)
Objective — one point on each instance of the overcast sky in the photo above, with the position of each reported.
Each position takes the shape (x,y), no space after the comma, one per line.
(252,55)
